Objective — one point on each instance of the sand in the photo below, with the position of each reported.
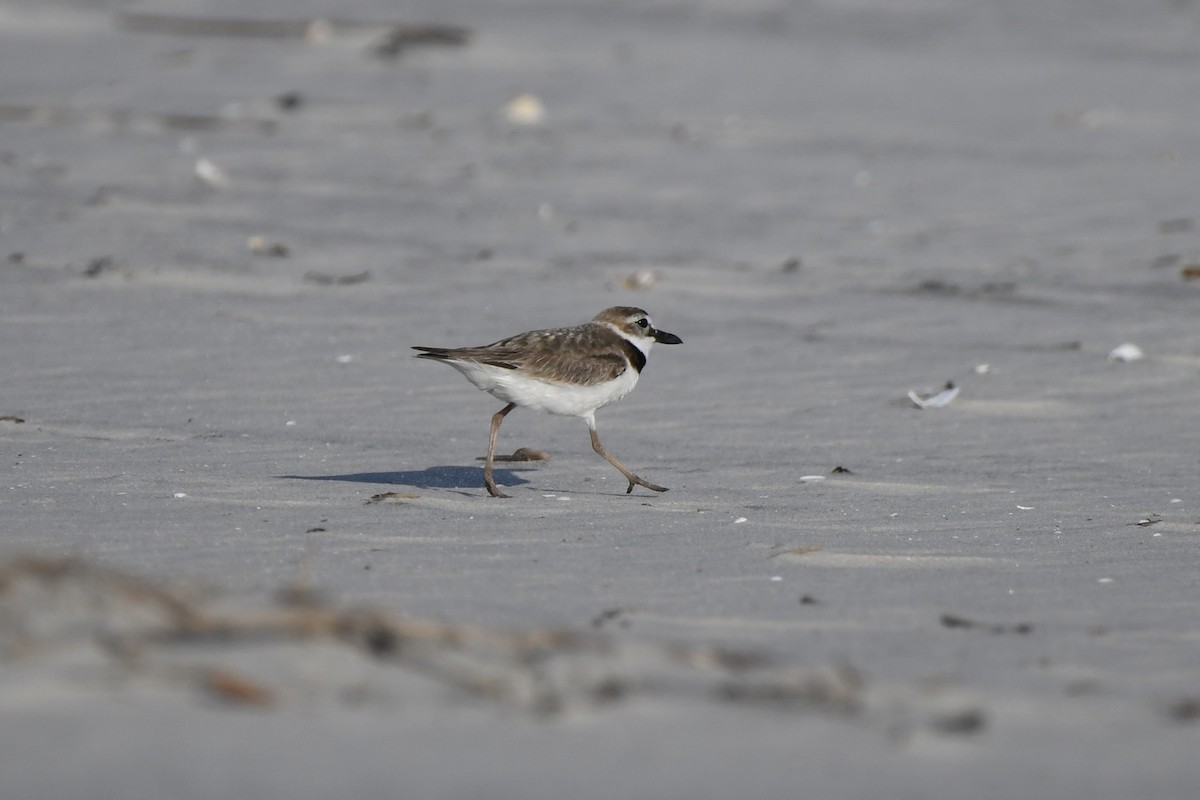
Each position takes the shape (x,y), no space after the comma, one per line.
(222,227)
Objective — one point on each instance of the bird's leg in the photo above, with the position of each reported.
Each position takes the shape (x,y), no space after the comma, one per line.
(629,476)
(488,480)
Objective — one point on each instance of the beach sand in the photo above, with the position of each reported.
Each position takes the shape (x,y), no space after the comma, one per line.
(222,226)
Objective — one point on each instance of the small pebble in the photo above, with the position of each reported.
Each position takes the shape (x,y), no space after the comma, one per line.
(525,109)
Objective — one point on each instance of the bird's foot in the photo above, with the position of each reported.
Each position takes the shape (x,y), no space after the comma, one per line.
(635,480)
(494,490)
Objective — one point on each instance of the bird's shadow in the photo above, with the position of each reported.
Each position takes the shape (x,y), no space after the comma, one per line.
(440,477)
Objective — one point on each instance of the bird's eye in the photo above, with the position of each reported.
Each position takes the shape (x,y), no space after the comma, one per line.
(643,323)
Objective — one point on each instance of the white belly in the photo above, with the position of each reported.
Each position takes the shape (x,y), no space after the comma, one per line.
(569,400)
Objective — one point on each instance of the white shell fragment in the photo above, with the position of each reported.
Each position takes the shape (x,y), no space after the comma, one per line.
(211,174)
(939,400)
(811,478)
(319,31)
(642,279)
(1126,352)
(525,109)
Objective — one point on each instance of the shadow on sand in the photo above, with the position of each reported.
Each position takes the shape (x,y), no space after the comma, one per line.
(442,477)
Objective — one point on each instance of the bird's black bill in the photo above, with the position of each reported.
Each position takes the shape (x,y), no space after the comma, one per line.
(662,337)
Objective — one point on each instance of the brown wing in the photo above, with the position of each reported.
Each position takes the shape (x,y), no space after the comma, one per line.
(581,355)
(560,366)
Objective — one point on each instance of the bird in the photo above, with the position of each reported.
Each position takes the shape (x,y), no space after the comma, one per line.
(571,371)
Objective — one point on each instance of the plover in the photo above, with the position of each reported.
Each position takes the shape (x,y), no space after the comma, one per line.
(568,371)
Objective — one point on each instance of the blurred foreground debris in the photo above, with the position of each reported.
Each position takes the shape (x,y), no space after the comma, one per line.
(232,654)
